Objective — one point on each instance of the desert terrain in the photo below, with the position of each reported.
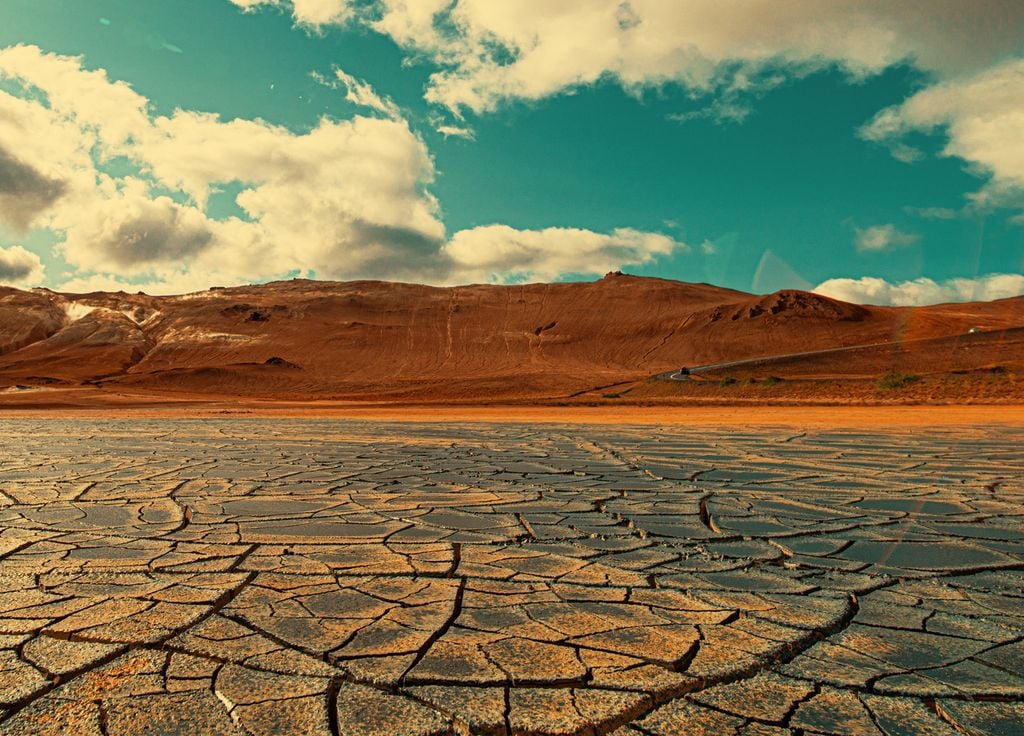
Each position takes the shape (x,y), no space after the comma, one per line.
(237,576)
(607,343)
(381,509)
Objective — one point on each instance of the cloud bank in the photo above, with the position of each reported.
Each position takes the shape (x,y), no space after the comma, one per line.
(542,255)
(347,199)
(490,52)
(923,291)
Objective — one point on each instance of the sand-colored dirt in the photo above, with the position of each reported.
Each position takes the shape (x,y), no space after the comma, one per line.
(92,403)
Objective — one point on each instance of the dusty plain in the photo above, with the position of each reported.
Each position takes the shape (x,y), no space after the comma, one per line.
(275,575)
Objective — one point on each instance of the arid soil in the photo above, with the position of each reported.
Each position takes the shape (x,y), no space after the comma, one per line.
(538,343)
(248,577)
(713,414)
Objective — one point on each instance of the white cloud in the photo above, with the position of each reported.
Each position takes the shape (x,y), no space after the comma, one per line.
(456,131)
(132,231)
(500,253)
(347,199)
(167,282)
(493,51)
(312,13)
(361,93)
(882,237)
(20,267)
(983,117)
(250,5)
(340,199)
(321,12)
(45,160)
(331,199)
(922,291)
(110,110)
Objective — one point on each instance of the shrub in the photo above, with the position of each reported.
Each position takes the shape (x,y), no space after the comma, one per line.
(770,381)
(728,381)
(895,379)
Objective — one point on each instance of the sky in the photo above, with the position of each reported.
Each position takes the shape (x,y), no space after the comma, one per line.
(870,150)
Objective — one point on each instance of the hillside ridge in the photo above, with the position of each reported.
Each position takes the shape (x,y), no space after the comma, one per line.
(375,339)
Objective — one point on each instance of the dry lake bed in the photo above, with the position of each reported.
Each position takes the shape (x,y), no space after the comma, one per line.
(352,578)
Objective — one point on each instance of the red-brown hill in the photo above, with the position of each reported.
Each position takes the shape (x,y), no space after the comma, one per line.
(390,341)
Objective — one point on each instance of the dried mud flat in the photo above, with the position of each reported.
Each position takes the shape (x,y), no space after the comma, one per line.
(277,576)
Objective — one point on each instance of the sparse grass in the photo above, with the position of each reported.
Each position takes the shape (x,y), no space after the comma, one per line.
(895,379)
(771,381)
(727,381)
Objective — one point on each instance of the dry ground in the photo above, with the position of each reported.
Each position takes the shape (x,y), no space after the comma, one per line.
(283,576)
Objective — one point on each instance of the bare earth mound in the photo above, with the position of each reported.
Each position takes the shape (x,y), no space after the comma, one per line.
(386,342)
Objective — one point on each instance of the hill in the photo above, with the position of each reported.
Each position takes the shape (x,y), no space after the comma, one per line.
(383,341)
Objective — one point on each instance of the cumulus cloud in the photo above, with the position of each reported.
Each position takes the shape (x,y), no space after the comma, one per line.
(922,291)
(982,116)
(20,267)
(131,231)
(24,191)
(501,253)
(109,112)
(314,201)
(492,51)
(346,199)
(881,238)
(44,159)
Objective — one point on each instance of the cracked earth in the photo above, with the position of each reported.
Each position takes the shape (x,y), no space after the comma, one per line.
(361,579)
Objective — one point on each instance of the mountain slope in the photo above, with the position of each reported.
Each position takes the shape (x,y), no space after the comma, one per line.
(376,340)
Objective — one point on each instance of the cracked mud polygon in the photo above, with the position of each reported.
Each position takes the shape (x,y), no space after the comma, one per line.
(357,578)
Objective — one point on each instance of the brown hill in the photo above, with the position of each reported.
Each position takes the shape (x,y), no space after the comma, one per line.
(389,341)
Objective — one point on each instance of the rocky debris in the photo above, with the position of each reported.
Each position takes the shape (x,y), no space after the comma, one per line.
(799,304)
(279,362)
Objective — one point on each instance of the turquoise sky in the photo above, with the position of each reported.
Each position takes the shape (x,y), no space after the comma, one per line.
(778,199)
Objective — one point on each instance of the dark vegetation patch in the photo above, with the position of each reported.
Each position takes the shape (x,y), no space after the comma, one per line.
(895,380)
